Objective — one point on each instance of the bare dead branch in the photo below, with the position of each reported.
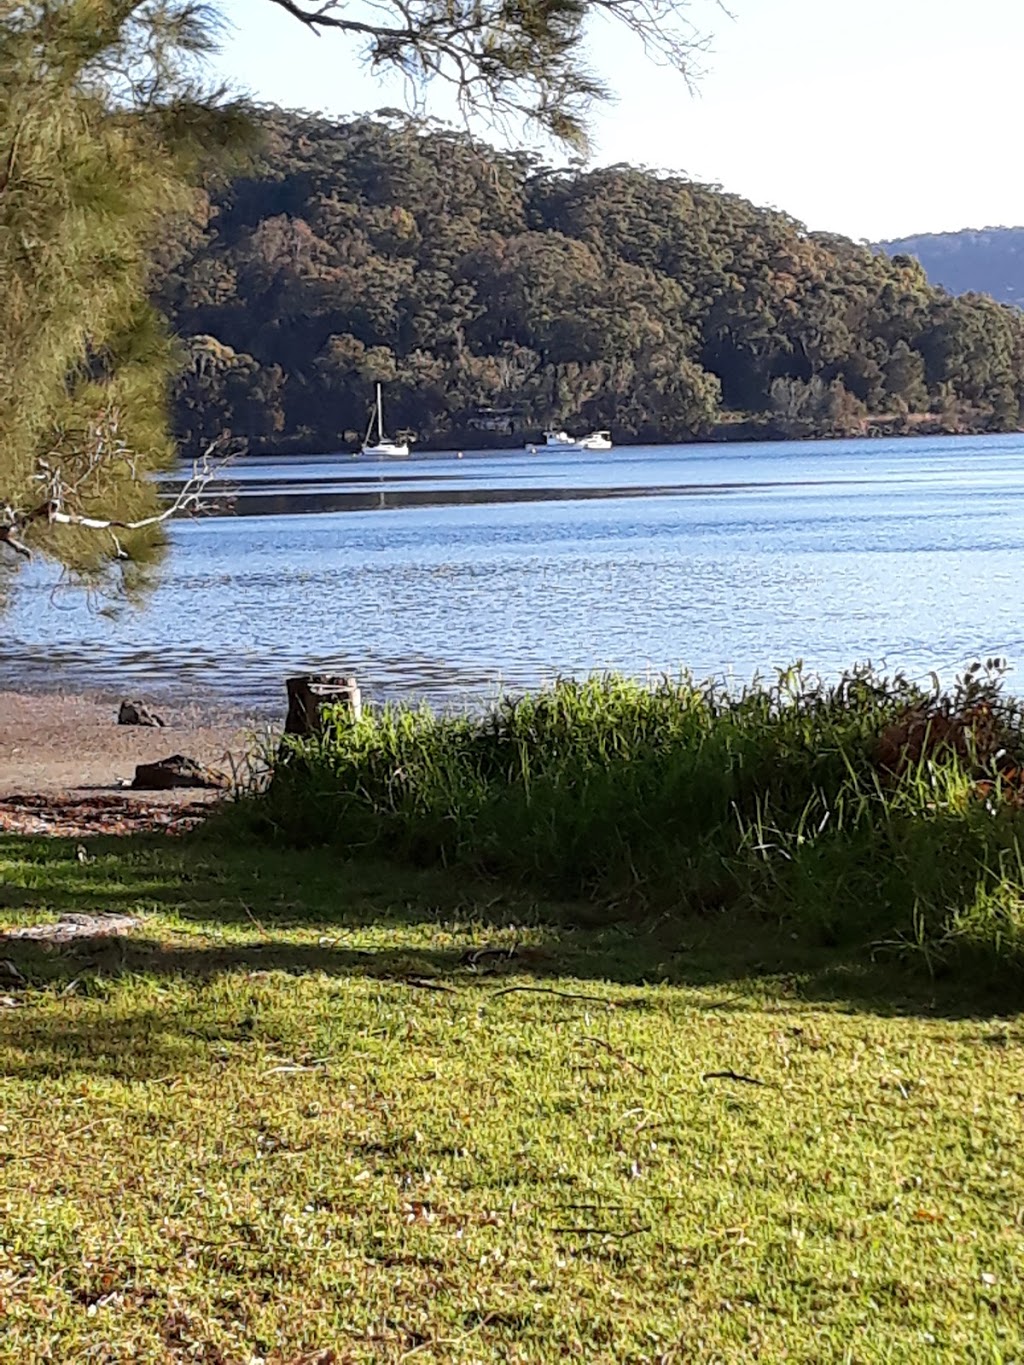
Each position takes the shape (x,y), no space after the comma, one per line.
(189,499)
(62,504)
(8,537)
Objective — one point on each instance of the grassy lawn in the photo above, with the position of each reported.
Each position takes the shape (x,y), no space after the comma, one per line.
(294,1118)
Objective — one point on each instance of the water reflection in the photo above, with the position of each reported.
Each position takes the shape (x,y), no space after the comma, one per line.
(286,501)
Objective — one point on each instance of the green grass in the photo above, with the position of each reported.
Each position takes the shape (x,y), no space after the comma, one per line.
(686,797)
(292,1120)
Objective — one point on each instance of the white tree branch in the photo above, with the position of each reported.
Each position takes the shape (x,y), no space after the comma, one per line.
(191,499)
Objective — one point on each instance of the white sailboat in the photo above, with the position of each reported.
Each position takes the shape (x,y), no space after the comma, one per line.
(382,445)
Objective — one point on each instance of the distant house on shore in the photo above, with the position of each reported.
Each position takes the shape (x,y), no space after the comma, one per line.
(500,420)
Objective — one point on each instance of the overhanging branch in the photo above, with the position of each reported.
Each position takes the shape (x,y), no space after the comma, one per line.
(59,508)
(324,16)
(507,57)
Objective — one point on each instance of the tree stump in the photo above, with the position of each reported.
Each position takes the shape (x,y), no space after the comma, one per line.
(307,696)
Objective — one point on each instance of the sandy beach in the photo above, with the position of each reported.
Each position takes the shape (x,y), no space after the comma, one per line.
(61,744)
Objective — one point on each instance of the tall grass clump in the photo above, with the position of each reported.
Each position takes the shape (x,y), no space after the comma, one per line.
(870,808)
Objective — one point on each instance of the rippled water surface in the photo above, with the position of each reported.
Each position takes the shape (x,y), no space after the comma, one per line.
(449,577)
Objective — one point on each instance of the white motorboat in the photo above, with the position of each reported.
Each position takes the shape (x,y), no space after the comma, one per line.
(383,445)
(573,445)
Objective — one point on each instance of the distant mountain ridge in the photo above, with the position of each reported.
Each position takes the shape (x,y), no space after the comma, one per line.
(979,260)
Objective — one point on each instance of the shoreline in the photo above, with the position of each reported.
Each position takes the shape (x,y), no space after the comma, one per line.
(179,699)
(881,427)
(65,743)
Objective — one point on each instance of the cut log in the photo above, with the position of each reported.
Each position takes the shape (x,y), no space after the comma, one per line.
(308,695)
(137,713)
(177,771)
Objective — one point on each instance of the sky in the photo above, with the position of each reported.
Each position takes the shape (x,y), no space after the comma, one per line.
(873,118)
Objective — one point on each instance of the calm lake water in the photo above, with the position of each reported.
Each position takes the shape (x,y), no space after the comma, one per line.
(449,578)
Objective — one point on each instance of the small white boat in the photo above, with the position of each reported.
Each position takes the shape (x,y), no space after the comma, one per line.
(383,445)
(573,445)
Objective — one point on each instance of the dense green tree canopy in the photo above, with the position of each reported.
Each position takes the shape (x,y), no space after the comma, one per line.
(101,127)
(495,295)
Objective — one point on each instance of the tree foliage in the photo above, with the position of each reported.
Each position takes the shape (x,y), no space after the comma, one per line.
(495,295)
(102,126)
(518,59)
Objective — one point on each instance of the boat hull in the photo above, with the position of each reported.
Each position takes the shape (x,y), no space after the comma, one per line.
(388,448)
(568,445)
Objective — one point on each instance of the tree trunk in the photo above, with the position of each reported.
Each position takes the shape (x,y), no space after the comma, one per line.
(307,696)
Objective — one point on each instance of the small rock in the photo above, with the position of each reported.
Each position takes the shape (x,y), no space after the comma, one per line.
(75,926)
(137,713)
(177,771)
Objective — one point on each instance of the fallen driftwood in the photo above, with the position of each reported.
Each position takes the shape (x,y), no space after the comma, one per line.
(137,713)
(177,771)
(69,927)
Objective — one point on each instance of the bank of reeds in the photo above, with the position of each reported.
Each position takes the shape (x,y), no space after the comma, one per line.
(871,809)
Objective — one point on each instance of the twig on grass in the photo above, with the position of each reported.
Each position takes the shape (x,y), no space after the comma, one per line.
(606,1232)
(732,1076)
(448,1341)
(473,957)
(253,919)
(562,995)
(620,1056)
(293,1068)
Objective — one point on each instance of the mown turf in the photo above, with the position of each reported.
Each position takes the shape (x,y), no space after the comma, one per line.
(292,1119)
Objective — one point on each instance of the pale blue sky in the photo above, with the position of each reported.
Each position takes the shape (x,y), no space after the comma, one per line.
(875,118)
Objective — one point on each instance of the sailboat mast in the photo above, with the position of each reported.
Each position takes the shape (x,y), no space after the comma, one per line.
(380,416)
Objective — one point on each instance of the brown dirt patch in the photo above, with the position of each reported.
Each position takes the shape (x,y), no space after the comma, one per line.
(70,745)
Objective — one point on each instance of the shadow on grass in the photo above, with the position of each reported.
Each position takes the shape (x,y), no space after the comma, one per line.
(200,889)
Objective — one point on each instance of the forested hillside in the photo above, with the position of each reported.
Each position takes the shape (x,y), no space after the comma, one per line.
(989,260)
(494,296)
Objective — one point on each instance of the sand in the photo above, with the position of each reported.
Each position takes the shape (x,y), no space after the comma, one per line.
(57,744)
